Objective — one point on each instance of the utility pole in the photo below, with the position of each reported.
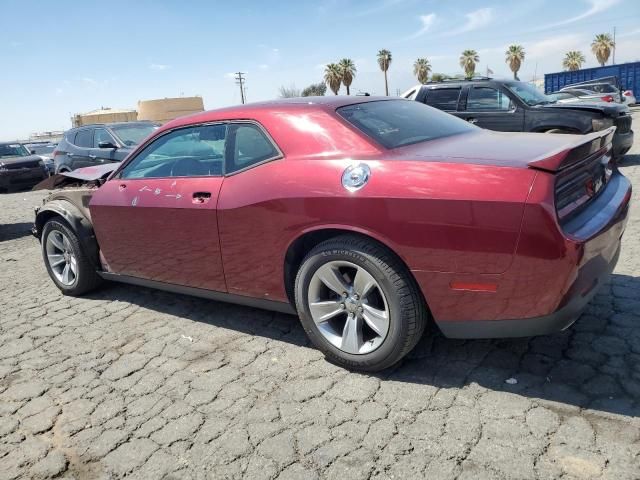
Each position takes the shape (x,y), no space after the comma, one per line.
(240,81)
(613,61)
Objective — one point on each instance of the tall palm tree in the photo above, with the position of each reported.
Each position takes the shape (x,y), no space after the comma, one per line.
(348,72)
(421,69)
(514,56)
(468,61)
(602,46)
(573,60)
(384,60)
(333,77)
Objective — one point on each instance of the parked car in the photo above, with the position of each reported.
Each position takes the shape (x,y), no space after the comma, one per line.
(45,151)
(365,216)
(598,88)
(576,95)
(511,106)
(99,143)
(628,97)
(19,169)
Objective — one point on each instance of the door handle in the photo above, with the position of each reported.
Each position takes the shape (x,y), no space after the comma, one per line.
(92,157)
(201,197)
(69,154)
(473,120)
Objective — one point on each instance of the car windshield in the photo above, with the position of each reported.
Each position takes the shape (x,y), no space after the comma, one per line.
(42,149)
(133,134)
(13,150)
(396,123)
(529,94)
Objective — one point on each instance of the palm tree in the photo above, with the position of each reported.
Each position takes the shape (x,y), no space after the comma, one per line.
(384,60)
(333,77)
(438,77)
(514,56)
(421,69)
(468,61)
(348,72)
(602,46)
(573,60)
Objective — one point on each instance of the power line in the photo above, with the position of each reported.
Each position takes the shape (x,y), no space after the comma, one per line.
(240,81)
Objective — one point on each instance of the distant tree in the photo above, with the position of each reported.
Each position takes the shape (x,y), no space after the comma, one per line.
(348,72)
(573,60)
(438,77)
(468,61)
(602,46)
(421,69)
(384,60)
(289,92)
(315,90)
(333,77)
(514,56)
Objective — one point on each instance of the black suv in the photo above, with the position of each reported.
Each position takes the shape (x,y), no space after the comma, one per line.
(100,143)
(512,106)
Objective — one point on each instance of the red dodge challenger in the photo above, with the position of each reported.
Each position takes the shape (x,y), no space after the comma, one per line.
(366,217)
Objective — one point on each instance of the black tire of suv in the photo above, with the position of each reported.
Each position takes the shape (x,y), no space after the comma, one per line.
(86,279)
(408,314)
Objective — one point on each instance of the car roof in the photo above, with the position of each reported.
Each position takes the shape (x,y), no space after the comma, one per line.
(11,143)
(325,103)
(114,124)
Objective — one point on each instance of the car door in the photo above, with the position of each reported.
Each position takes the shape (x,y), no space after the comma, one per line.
(492,108)
(79,152)
(99,155)
(156,217)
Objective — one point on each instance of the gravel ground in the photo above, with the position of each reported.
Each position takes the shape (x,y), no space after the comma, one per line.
(134,382)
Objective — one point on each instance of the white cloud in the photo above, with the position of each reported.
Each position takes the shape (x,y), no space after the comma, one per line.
(90,81)
(263,66)
(59,91)
(159,66)
(548,46)
(596,6)
(230,75)
(427,22)
(630,34)
(475,20)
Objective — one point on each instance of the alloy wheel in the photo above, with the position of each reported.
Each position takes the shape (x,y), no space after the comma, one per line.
(349,307)
(61,258)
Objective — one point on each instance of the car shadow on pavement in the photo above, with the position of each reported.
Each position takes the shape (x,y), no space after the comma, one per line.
(593,364)
(12,231)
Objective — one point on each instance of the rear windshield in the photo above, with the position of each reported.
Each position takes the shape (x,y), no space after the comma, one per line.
(395,123)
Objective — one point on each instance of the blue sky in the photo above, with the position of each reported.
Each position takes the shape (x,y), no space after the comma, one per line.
(67,57)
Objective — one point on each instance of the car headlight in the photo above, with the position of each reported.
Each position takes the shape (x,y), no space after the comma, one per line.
(3,168)
(601,123)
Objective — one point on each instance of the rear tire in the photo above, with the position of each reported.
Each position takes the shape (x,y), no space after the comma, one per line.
(65,260)
(381,317)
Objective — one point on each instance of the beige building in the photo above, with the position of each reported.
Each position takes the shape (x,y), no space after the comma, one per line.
(104,115)
(165,109)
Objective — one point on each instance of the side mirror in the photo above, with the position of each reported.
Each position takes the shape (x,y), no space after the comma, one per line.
(106,145)
(32,152)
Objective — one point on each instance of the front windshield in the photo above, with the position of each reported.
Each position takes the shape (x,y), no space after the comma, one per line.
(133,134)
(529,94)
(13,150)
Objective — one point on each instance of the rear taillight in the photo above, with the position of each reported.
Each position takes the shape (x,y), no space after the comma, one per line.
(55,152)
(628,93)
(607,98)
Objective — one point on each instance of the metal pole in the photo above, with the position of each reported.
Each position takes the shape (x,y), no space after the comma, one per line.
(240,81)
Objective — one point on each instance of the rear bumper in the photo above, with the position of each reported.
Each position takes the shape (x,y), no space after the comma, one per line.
(557,289)
(622,142)
(557,321)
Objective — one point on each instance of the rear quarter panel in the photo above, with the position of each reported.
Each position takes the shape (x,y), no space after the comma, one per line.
(438,217)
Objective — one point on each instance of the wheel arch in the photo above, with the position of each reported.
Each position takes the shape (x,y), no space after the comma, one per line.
(78,223)
(308,239)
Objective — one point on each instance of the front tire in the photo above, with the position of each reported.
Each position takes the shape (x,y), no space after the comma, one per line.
(66,262)
(359,304)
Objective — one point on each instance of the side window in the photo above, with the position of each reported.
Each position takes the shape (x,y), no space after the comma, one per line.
(486,99)
(443,98)
(101,135)
(84,138)
(250,146)
(188,152)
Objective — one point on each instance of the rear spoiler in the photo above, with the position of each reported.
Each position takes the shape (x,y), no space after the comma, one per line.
(575,151)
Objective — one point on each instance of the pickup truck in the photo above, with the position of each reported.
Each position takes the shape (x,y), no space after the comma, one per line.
(512,106)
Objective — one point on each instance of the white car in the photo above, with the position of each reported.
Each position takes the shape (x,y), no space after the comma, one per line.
(628,97)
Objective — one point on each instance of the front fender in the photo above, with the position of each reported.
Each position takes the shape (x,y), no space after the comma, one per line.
(78,222)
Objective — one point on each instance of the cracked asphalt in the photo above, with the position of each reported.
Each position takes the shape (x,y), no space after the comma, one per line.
(144,384)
